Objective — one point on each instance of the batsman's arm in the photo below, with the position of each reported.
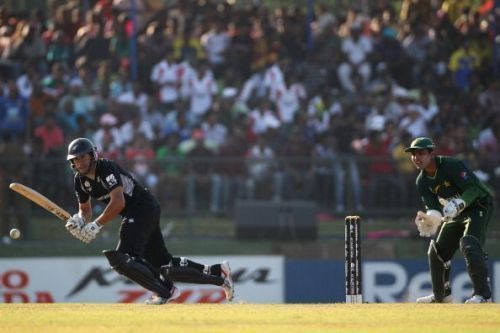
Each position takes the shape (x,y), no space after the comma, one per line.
(85,210)
(114,207)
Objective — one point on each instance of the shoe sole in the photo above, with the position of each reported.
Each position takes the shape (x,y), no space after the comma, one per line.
(226,271)
(483,301)
(447,299)
(175,295)
(155,302)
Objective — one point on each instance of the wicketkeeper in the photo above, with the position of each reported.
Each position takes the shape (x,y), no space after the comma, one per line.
(446,185)
(141,254)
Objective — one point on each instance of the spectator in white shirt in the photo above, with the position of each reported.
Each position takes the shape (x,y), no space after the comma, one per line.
(108,135)
(215,132)
(414,122)
(202,89)
(253,88)
(216,42)
(397,104)
(133,127)
(261,168)
(324,20)
(274,79)
(137,98)
(289,98)
(165,76)
(264,118)
(186,73)
(320,110)
(83,102)
(356,50)
(427,109)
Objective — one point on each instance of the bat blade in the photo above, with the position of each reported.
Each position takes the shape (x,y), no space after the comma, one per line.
(40,200)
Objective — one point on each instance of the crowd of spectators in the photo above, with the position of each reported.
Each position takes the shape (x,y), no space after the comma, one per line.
(225,101)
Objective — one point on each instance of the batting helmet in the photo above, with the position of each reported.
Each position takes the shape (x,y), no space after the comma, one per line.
(81,146)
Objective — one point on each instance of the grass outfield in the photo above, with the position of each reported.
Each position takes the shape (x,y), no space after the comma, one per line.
(289,318)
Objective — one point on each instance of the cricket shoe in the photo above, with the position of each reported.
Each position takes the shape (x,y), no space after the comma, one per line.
(476,299)
(158,300)
(432,299)
(228,284)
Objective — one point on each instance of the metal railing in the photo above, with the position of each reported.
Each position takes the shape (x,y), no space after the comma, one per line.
(192,189)
(200,185)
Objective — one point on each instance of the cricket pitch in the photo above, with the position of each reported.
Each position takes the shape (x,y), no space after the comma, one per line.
(286,318)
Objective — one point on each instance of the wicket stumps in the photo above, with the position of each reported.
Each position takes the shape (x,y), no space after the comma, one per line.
(353,292)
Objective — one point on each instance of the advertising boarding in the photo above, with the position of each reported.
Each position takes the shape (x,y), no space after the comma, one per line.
(259,279)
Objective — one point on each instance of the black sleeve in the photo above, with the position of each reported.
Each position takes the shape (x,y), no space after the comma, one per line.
(81,194)
(467,182)
(110,175)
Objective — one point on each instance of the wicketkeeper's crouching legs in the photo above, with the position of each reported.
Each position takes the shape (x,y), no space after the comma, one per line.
(476,261)
(440,274)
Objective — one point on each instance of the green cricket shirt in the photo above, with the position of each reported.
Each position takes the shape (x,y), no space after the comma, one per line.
(452,179)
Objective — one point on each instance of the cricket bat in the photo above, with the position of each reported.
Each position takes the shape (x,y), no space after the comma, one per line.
(40,200)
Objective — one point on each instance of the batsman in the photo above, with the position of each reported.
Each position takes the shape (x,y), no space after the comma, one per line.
(460,207)
(141,254)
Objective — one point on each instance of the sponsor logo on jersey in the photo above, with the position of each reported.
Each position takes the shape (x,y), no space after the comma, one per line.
(87,186)
(446,183)
(111,180)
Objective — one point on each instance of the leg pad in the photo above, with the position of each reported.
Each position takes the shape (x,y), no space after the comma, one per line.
(476,259)
(189,275)
(440,270)
(137,270)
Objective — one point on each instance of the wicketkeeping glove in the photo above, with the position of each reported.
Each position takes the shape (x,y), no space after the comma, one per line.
(453,208)
(428,223)
(90,231)
(74,225)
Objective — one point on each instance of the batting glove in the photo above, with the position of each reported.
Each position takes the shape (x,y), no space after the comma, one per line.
(90,231)
(74,225)
(453,208)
